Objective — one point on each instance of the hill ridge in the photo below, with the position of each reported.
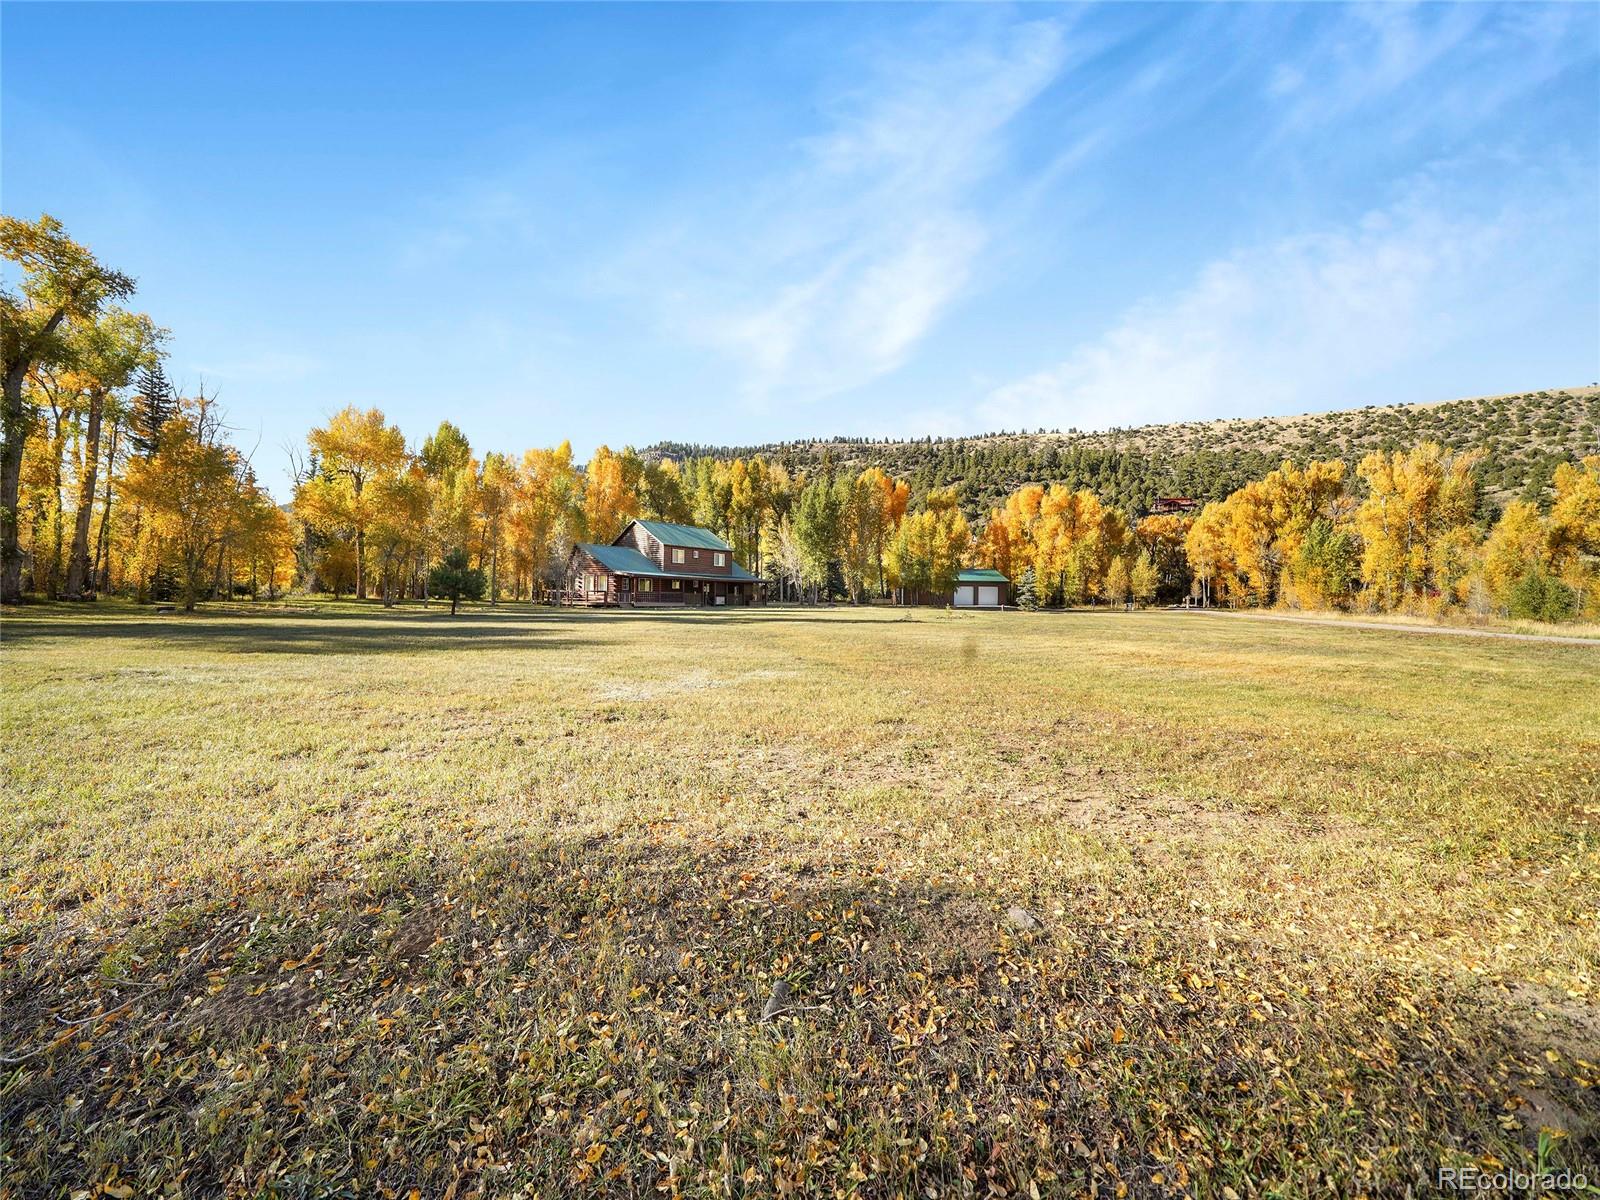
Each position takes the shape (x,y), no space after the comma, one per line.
(1524,435)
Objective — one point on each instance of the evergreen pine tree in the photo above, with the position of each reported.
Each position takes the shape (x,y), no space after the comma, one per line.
(154,404)
(1028,591)
(455,578)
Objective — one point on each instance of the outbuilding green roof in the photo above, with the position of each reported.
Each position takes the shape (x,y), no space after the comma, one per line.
(981,575)
(683,535)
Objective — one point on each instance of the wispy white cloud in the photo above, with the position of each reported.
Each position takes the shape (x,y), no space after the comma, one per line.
(828,274)
(1415,67)
(1304,322)
(274,366)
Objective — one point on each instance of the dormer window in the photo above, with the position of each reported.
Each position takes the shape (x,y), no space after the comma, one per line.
(677,554)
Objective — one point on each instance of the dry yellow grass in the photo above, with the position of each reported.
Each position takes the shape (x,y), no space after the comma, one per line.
(345,902)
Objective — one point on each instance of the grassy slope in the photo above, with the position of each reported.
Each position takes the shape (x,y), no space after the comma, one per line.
(381,901)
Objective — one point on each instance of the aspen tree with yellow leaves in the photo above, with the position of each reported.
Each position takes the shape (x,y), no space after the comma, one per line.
(1418,503)
(354,448)
(608,498)
(1575,531)
(63,287)
(547,513)
(192,490)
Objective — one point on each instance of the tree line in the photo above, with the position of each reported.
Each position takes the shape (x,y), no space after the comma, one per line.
(113,481)
(1403,532)
(110,480)
(373,516)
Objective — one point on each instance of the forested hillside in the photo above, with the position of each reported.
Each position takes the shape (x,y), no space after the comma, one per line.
(1523,437)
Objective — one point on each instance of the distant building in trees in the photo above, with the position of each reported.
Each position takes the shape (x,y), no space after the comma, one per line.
(980,587)
(1173,504)
(975,587)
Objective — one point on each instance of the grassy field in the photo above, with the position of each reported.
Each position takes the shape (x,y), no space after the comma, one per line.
(326,901)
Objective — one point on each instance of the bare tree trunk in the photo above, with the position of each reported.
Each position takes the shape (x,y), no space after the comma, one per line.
(78,572)
(13,432)
(193,563)
(58,520)
(102,550)
(142,582)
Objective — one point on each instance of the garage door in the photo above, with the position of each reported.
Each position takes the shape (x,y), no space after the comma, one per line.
(964,597)
(989,597)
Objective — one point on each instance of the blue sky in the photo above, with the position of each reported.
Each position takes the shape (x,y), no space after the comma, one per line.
(740,223)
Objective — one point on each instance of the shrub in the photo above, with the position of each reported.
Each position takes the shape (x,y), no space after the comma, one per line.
(1541,597)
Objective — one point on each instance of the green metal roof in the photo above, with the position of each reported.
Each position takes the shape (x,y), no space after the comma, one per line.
(981,575)
(625,560)
(683,535)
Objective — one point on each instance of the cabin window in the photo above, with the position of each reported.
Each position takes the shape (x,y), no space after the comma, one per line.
(677,554)
(720,560)
(677,584)
(697,556)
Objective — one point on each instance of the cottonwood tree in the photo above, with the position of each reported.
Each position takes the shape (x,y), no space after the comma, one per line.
(661,493)
(1144,579)
(780,551)
(1419,504)
(62,283)
(872,506)
(1119,584)
(495,493)
(353,448)
(1575,530)
(452,478)
(1162,536)
(1327,565)
(192,491)
(1517,546)
(609,499)
(263,540)
(399,502)
(818,529)
(928,547)
(546,511)
(1206,545)
(105,354)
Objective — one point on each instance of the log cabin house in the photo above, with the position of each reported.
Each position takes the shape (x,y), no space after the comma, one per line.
(654,562)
